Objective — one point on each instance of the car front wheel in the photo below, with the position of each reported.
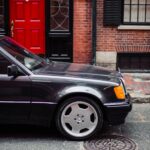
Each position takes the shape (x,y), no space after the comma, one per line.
(79,118)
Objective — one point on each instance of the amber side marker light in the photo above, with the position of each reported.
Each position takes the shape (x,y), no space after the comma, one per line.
(119,92)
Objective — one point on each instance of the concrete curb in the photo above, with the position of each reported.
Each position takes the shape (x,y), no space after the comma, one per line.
(140,99)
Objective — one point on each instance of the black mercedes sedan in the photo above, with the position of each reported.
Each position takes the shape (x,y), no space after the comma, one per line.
(77,98)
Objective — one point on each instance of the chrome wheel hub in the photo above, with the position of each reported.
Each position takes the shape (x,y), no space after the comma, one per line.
(79,119)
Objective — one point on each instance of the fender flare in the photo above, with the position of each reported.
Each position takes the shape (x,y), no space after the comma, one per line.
(68,91)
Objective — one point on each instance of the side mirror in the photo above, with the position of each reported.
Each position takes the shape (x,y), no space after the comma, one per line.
(12,70)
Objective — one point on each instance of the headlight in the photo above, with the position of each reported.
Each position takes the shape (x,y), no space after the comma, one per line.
(119,91)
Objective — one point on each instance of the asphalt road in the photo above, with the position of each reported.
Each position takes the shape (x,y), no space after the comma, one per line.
(137,127)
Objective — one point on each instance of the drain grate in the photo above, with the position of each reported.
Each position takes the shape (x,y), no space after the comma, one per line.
(110,142)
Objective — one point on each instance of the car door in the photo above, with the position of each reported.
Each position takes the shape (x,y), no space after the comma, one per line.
(15,95)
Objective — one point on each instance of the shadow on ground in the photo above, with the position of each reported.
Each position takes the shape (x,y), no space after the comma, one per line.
(26,131)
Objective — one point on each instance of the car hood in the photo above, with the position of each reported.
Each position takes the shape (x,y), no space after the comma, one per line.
(78,70)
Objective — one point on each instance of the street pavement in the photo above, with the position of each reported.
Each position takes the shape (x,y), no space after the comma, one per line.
(138,85)
(137,128)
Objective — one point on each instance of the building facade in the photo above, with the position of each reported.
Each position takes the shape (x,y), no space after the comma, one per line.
(110,33)
(123,33)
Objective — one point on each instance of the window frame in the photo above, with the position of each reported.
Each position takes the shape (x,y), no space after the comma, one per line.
(48,24)
(5,29)
(10,63)
(12,60)
(61,30)
(51,36)
(132,23)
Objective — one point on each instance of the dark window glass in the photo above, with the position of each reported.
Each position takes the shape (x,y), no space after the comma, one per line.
(59,15)
(28,59)
(4,63)
(137,11)
(1,14)
(137,61)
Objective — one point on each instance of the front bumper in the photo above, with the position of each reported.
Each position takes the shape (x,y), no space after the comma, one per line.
(115,113)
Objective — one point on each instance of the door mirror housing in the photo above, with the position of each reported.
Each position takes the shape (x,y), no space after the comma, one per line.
(12,70)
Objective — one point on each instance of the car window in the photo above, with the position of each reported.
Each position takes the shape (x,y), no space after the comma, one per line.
(29,60)
(4,63)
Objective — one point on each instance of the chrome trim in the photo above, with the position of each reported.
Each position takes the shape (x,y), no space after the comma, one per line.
(16,102)
(49,103)
(116,104)
(123,85)
(27,102)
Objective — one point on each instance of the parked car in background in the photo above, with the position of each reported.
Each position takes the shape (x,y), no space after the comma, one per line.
(78,98)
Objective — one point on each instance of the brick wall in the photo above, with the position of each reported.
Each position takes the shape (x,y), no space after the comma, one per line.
(108,38)
(82,38)
(112,39)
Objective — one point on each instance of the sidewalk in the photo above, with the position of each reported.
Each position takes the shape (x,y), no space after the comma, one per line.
(138,85)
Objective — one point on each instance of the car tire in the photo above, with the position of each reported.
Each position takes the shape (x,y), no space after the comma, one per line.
(79,118)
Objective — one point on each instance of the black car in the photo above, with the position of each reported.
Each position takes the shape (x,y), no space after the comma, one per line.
(77,98)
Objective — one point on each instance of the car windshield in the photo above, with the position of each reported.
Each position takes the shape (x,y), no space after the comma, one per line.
(31,61)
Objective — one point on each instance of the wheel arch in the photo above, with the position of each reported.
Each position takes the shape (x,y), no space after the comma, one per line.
(91,96)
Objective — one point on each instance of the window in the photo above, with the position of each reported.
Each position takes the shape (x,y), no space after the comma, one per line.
(1,14)
(4,63)
(113,12)
(59,15)
(28,59)
(136,12)
(133,61)
(60,29)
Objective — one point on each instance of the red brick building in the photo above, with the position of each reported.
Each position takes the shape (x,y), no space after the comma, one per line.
(109,33)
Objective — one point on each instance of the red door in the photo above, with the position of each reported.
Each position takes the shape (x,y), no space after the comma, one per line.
(27,21)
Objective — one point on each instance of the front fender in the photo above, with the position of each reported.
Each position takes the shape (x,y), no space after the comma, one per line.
(80,90)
